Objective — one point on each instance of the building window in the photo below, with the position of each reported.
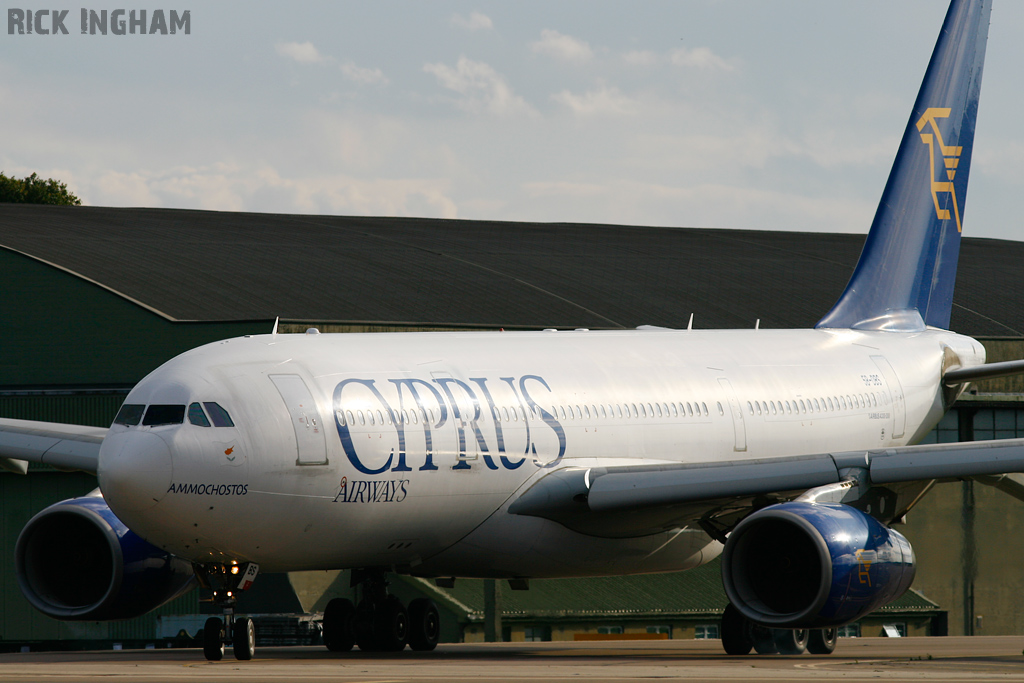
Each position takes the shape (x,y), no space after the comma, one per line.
(849,631)
(706,632)
(605,630)
(537,634)
(660,629)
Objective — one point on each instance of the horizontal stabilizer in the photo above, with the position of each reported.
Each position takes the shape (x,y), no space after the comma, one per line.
(980,372)
(64,446)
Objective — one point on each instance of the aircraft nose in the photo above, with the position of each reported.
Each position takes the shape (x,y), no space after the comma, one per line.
(135,470)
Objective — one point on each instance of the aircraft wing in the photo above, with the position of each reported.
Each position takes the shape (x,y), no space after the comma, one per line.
(618,501)
(64,446)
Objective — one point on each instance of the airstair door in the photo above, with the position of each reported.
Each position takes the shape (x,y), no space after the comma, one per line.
(309,428)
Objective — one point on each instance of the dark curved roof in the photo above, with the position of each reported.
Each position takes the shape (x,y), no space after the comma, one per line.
(206,265)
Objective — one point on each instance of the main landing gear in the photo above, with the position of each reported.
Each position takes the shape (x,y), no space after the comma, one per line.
(741,635)
(379,622)
(226,581)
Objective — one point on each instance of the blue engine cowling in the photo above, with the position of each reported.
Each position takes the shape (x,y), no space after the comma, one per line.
(77,561)
(812,565)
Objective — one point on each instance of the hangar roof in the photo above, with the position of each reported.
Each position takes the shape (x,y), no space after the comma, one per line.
(206,265)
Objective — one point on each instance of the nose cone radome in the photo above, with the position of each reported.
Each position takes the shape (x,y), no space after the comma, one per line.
(134,470)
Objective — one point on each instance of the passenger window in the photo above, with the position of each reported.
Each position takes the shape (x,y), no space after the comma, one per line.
(773,408)
(218,415)
(157,415)
(587,411)
(675,411)
(750,407)
(196,415)
(130,414)
(803,408)
(618,411)
(362,418)
(339,415)
(604,415)
(705,406)
(369,416)
(721,410)
(634,411)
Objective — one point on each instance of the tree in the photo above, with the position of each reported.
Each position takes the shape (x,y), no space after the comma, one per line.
(34,190)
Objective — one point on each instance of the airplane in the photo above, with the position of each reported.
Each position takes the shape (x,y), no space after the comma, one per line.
(526,455)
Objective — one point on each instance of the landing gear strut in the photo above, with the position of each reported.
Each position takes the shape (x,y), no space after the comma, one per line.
(379,622)
(741,635)
(226,581)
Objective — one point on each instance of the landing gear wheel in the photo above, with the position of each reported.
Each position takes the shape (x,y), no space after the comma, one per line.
(363,626)
(822,641)
(391,625)
(213,639)
(735,632)
(424,625)
(244,640)
(337,624)
(764,640)
(790,641)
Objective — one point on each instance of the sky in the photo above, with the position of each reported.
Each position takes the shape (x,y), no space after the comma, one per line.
(781,115)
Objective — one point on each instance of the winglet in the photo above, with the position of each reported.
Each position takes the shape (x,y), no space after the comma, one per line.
(904,279)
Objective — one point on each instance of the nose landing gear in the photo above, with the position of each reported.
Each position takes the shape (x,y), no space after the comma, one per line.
(380,622)
(226,581)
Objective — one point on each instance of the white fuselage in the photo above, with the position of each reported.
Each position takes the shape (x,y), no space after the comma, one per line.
(402,450)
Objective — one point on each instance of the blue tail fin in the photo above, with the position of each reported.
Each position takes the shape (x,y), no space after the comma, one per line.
(906,272)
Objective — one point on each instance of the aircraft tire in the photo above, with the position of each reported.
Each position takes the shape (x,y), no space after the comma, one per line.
(763,639)
(790,641)
(424,625)
(213,639)
(339,634)
(391,625)
(735,630)
(244,639)
(364,626)
(822,641)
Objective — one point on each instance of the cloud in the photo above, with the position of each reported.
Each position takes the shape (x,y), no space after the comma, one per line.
(603,101)
(561,46)
(364,76)
(303,53)
(474,22)
(483,88)
(640,58)
(700,58)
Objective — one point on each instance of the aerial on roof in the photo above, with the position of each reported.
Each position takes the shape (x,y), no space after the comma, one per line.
(206,265)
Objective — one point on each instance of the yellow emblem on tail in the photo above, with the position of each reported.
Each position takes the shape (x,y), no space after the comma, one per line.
(950,157)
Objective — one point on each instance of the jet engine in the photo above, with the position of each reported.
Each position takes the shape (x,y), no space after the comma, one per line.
(812,565)
(76,561)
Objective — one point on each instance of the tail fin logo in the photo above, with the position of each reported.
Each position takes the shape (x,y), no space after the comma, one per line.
(950,158)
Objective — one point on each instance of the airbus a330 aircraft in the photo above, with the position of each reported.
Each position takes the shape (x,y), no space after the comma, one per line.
(551,454)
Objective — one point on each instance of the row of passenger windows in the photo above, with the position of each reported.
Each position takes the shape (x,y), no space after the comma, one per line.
(159,414)
(517,413)
(822,404)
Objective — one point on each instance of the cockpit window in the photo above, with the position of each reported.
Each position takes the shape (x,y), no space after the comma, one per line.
(196,415)
(163,415)
(219,416)
(130,414)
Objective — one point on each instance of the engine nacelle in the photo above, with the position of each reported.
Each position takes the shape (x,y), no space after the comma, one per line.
(811,565)
(77,561)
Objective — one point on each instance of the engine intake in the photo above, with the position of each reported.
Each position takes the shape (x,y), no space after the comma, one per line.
(811,565)
(76,561)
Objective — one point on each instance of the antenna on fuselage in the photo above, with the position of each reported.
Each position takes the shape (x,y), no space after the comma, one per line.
(276,321)
(757,325)
(689,325)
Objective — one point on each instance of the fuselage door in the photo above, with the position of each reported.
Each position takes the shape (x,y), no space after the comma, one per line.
(309,428)
(738,426)
(899,407)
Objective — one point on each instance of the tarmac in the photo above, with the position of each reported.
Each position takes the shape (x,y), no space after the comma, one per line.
(977,658)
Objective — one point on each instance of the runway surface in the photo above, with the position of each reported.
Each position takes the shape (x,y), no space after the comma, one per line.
(861,659)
